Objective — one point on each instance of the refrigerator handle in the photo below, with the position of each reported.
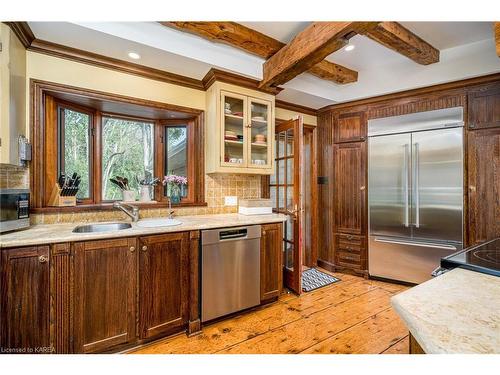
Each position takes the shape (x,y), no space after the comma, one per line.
(416,190)
(405,178)
(420,244)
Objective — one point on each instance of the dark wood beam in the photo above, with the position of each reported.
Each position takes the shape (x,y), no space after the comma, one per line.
(308,48)
(256,43)
(398,38)
(497,37)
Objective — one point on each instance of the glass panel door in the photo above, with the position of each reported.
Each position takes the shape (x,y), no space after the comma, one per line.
(259,137)
(286,188)
(234,127)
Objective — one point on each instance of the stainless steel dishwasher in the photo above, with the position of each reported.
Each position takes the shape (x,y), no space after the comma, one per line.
(230,270)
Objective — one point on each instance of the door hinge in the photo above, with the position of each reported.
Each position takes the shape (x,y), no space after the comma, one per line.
(161,138)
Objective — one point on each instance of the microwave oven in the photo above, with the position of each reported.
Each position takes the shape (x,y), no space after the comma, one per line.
(14,209)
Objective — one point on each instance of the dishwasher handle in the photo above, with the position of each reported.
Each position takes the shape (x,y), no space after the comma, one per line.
(231,234)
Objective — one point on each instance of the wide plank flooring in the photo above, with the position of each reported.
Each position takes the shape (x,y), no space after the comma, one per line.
(351,316)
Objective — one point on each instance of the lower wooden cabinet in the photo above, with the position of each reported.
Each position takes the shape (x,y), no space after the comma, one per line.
(163,283)
(25,301)
(271,268)
(351,252)
(105,277)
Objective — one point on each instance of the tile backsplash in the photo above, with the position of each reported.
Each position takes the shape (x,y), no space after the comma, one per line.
(217,186)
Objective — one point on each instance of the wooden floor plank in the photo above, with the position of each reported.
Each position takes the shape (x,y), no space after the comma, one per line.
(401,347)
(372,336)
(296,323)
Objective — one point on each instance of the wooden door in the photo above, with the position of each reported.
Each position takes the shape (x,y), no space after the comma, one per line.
(105,276)
(163,283)
(350,127)
(286,189)
(350,187)
(484,185)
(25,303)
(484,108)
(271,249)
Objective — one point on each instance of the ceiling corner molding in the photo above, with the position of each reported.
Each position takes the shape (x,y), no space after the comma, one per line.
(296,107)
(214,75)
(78,55)
(23,32)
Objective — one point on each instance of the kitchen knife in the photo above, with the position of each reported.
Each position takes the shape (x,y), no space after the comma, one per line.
(61,180)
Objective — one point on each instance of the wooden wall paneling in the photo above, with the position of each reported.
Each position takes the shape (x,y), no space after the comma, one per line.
(194,326)
(60,296)
(484,185)
(105,300)
(25,300)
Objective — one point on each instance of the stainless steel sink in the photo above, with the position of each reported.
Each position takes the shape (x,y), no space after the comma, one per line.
(105,227)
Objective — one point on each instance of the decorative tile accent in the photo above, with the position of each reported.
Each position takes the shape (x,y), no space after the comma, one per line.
(12,177)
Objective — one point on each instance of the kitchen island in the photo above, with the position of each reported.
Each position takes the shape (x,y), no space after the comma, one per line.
(457,312)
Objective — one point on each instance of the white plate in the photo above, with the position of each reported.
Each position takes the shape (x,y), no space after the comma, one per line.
(159,222)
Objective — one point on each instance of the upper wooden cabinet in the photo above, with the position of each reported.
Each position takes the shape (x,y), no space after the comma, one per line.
(350,127)
(105,276)
(484,108)
(12,95)
(163,283)
(484,185)
(350,187)
(25,301)
(239,131)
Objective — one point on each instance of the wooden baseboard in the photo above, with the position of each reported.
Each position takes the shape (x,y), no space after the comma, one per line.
(194,328)
(333,268)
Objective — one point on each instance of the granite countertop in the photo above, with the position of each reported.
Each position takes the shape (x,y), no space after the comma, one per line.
(54,233)
(457,312)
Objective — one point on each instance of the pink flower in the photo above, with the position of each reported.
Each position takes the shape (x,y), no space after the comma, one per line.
(173,179)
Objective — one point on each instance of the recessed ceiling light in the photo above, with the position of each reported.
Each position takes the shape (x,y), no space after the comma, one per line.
(350,47)
(134,55)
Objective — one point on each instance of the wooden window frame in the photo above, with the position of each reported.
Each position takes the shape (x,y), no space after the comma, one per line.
(45,107)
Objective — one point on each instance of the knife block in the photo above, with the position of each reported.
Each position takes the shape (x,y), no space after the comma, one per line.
(56,200)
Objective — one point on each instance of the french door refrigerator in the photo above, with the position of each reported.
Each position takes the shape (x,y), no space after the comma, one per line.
(415,193)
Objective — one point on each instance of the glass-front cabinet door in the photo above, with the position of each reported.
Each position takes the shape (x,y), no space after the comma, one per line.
(259,147)
(234,130)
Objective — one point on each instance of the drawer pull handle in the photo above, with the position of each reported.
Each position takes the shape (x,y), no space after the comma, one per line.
(349,237)
(42,259)
(144,248)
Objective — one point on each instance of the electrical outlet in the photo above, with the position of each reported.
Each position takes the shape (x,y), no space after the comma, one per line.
(230,200)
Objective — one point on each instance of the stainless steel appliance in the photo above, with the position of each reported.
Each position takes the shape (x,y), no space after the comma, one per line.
(415,192)
(230,270)
(14,209)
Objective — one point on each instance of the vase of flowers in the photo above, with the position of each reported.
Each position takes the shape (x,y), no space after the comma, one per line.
(174,184)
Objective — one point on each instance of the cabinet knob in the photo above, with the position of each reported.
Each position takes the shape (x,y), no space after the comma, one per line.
(362,188)
(42,259)
(263,232)
(349,237)
(132,249)
(144,248)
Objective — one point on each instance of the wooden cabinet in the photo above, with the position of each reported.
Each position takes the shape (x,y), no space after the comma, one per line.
(350,251)
(25,301)
(239,131)
(105,276)
(271,268)
(483,163)
(350,127)
(163,283)
(484,107)
(350,187)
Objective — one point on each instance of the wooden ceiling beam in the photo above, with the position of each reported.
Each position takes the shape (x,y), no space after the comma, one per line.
(398,38)
(497,37)
(256,43)
(309,48)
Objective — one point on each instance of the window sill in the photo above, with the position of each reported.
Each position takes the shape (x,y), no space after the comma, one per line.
(109,207)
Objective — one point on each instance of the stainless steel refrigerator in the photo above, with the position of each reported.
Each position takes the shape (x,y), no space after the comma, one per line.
(415,192)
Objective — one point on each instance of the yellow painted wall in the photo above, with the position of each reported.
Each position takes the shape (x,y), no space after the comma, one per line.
(285,114)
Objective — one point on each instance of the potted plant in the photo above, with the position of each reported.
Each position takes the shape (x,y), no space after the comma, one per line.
(145,186)
(174,184)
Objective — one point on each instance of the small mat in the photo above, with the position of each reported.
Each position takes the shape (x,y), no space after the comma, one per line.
(313,279)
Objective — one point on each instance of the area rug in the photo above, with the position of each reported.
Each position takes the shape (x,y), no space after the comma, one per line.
(313,279)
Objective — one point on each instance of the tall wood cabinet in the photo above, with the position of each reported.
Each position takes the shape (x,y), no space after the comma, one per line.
(271,265)
(105,277)
(25,301)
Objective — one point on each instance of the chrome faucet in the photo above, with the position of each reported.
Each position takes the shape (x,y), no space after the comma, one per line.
(131,211)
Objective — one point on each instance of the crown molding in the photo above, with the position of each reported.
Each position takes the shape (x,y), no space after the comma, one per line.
(296,107)
(23,32)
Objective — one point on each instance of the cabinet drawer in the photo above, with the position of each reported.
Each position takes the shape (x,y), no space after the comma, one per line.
(349,257)
(350,243)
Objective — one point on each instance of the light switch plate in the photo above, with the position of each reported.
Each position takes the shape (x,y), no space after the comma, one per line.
(230,200)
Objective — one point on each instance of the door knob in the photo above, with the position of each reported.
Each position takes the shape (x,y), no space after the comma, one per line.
(42,259)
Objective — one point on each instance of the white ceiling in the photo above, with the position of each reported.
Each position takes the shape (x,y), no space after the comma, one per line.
(467,50)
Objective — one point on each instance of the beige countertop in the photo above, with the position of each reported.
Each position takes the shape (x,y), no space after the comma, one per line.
(457,312)
(54,233)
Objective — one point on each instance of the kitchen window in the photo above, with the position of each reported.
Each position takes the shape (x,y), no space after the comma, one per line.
(99,145)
